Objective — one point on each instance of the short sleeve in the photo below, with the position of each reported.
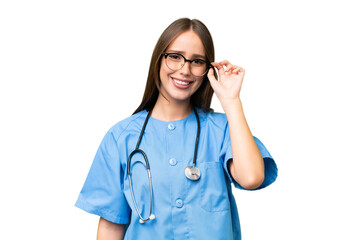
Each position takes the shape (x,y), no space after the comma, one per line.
(102,193)
(271,170)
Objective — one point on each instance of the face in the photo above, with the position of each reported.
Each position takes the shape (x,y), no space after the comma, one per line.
(179,85)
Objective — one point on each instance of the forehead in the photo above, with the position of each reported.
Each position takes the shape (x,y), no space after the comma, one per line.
(188,43)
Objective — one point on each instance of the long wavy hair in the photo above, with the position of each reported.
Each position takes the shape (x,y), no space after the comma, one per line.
(202,97)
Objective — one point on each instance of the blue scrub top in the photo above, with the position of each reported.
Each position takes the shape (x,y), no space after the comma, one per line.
(184,209)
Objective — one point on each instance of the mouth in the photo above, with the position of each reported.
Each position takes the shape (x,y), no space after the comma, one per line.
(181,83)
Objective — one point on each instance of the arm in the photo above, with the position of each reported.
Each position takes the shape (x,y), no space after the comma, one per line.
(247,166)
(110,231)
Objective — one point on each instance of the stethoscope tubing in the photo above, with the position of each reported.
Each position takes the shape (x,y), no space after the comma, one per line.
(137,150)
(197,137)
(149,177)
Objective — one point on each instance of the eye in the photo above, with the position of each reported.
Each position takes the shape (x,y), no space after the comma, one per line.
(174,56)
(199,62)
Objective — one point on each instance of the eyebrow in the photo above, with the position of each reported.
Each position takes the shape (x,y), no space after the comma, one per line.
(182,52)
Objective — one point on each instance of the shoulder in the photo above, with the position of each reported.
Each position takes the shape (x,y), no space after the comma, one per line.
(213,119)
(130,124)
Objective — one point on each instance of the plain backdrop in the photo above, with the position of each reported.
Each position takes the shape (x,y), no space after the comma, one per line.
(70,70)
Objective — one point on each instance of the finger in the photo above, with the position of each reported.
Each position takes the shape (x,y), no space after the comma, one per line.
(225,62)
(211,75)
(227,66)
(230,68)
(238,70)
(219,67)
(212,79)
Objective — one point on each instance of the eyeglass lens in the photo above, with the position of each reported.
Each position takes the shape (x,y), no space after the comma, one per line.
(176,61)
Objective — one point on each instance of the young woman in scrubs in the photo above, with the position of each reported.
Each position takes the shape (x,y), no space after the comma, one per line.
(180,85)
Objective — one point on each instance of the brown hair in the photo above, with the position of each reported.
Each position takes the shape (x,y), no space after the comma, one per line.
(202,97)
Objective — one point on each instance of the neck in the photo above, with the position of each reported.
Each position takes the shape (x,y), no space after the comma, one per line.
(170,111)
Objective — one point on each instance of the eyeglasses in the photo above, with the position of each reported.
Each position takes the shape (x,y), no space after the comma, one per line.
(176,61)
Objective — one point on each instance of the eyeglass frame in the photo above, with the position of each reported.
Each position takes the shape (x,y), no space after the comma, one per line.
(190,61)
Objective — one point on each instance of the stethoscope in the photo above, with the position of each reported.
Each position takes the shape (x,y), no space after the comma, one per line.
(191,172)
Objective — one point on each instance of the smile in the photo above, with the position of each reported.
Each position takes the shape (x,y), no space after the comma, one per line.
(181,82)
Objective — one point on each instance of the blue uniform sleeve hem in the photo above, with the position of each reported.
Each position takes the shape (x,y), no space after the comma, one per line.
(228,174)
(82,204)
(271,173)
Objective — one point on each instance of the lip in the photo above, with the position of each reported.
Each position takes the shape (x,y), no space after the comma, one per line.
(179,85)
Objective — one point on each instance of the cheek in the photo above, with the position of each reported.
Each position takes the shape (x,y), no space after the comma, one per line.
(164,71)
(199,82)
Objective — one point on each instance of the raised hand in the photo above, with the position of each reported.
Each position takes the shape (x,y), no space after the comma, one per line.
(227,89)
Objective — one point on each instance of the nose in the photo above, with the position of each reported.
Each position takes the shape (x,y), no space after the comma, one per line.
(186,68)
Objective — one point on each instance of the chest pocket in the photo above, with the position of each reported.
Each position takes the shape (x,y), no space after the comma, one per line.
(214,194)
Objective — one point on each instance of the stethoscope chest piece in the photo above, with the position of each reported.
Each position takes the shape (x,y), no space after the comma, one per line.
(192,173)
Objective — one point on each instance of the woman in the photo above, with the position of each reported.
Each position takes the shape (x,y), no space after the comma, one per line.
(193,153)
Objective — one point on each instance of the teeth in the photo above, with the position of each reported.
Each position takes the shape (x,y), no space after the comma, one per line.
(181,82)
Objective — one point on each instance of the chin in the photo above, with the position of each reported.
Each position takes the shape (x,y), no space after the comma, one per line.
(180,98)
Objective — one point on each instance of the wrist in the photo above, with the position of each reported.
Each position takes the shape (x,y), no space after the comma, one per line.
(230,104)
